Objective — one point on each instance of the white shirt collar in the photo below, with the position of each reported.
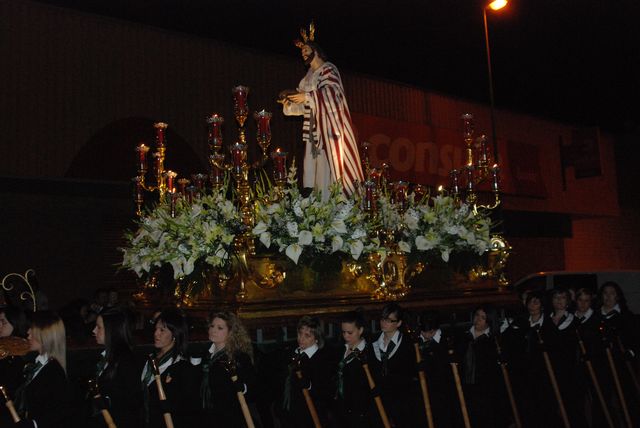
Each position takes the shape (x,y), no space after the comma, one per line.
(537,323)
(436,337)
(395,339)
(567,322)
(309,351)
(161,369)
(360,347)
(42,359)
(606,314)
(475,335)
(585,316)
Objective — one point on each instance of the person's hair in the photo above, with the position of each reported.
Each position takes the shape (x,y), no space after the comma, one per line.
(176,322)
(117,338)
(561,290)
(491,316)
(429,320)
(238,340)
(622,301)
(18,320)
(584,292)
(393,308)
(48,329)
(354,317)
(315,326)
(318,50)
(535,295)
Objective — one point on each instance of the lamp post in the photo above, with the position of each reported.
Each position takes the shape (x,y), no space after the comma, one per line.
(493,5)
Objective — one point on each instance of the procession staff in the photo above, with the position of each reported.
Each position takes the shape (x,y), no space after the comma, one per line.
(374,390)
(456,379)
(176,379)
(554,382)
(9,404)
(423,384)
(95,393)
(230,349)
(43,399)
(353,395)
(315,364)
(507,383)
(394,367)
(117,372)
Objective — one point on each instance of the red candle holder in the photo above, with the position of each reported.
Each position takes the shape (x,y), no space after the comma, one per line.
(469,169)
(240,105)
(199,181)
(279,165)
(214,133)
(182,185)
(454,187)
(419,192)
(370,195)
(142,150)
(170,175)
(173,200)
(401,188)
(263,119)
(161,129)
(238,156)
(495,173)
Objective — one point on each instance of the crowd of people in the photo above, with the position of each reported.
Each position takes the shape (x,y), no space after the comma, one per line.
(569,360)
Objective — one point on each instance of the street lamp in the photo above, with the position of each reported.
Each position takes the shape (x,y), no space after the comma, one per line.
(493,5)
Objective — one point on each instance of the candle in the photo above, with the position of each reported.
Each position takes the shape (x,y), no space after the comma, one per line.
(182,185)
(481,144)
(495,172)
(214,136)
(441,190)
(238,155)
(401,193)
(467,125)
(173,198)
(240,98)
(470,183)
(279,164)
(142,151)
(191,190)
(137,181)
(419,192)
(369,195)
(199,180)
(170,175)
(455,185)
(160,133)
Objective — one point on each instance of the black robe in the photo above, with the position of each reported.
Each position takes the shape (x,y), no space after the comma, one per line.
(181,384)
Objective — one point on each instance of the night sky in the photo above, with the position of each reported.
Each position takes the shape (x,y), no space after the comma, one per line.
(577,61)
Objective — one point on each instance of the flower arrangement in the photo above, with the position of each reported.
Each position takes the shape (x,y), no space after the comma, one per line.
(200,233)
(306,226)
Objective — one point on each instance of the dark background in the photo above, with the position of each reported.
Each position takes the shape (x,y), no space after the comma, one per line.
(576,61)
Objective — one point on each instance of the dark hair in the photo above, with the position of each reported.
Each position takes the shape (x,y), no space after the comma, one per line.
(561,290)
(491,316)
(176,322)
(622,301)
(318,50)
(117,338)
(17,319)
(393,308)
(354,317)
(584,291)
(315,325)
(535,295)
(429,320)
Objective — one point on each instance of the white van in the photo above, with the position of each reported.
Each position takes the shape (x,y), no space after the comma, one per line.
(628,280)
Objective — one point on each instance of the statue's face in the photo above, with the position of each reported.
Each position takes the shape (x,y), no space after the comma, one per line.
(308,54)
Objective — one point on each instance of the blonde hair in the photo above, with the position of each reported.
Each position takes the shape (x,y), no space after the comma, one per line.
(48,329)
(238,339)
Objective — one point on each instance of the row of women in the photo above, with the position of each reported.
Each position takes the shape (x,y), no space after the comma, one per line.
(538,368)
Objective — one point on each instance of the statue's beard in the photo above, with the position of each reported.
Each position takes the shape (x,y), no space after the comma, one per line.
(307,60)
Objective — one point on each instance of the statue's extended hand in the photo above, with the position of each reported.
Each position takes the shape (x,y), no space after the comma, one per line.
(297,98)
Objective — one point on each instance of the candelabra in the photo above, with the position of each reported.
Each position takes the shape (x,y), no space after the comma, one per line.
(163,179)
(476,169)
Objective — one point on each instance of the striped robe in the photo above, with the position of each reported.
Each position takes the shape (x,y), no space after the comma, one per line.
(331,152)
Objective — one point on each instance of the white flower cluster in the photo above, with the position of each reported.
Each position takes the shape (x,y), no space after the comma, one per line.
(201,232)
(297,225)
(444,226)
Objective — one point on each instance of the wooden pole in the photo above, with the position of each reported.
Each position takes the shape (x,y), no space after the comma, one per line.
(108,420)
(554,383)
(243,405)
(310,405)
(594,381)
(168,420)
(632,372)
(377,399)
(461,400)
(423,386)
(616,380)
(10,406)
(507,384)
